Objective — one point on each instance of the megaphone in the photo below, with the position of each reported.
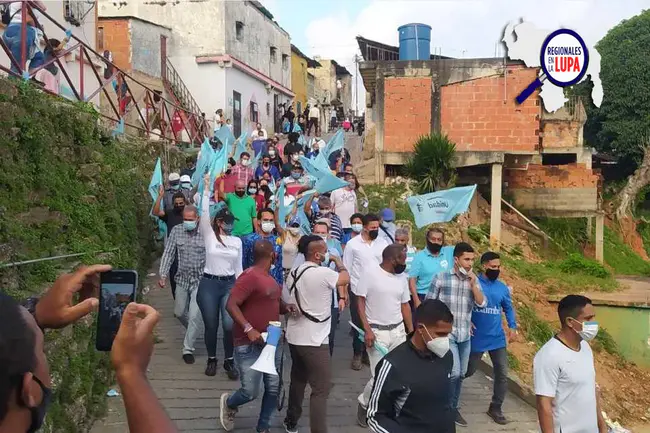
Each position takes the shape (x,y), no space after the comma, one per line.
(266,361)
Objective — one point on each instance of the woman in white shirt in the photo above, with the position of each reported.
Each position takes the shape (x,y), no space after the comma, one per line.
(223,264)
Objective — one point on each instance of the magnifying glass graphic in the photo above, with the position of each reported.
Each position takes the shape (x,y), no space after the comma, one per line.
(564,59)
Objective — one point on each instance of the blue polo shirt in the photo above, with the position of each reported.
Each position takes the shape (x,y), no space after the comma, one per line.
(425,266)
(488,324)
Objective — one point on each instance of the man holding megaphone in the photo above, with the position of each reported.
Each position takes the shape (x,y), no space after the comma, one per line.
(255,305)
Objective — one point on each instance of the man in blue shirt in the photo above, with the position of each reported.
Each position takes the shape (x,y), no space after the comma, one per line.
(428,263)
(489,335)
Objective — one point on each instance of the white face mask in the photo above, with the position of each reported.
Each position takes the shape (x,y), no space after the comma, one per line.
(271,152)
(245,162)
(357,227)
(324,237)
(267,226)
(462,270)
(439,346)
(589,330)
(294,230)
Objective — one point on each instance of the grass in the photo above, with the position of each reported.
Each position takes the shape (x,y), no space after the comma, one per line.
(513,362)
(534,328)
(622,258)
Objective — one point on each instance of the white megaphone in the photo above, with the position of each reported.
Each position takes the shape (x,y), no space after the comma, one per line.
(266,361)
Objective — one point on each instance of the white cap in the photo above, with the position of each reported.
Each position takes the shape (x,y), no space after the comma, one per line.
(185,179)
(174,177)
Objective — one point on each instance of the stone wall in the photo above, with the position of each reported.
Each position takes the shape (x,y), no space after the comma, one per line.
(67,187)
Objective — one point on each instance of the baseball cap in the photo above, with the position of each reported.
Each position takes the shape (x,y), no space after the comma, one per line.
(174,177)
(225,216)
(185,179)
(388,214)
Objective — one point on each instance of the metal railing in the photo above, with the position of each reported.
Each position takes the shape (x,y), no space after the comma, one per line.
(156,115)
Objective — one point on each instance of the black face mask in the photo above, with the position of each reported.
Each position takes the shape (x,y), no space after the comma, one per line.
(492,274)
(228,171)
(38,412)
(240,193)
(433,247)
(179,209)
(399,268)
(373,234)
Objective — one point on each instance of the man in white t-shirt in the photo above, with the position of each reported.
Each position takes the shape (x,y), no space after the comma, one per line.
(310,288)
(259,133)
(384,309)
(314,118)
(344,202)
(361,252)
(564,374)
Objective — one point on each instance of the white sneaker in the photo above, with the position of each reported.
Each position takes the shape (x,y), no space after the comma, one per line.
(226,414)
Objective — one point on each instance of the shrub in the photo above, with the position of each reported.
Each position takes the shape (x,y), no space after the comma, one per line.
(577,263)
(432,163)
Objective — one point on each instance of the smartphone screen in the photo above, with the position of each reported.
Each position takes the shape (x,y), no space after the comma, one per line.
(117,289)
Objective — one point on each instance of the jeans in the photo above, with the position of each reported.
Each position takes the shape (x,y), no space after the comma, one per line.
(499,359)
(12,37)
(460,351)
(390,340)
(334,324)
(358,346)
(309,364)
(211,298)
(251,383)
(187,311)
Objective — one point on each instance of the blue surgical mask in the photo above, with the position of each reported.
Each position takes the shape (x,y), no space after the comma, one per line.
(189,225)
(176,187)
(295,175)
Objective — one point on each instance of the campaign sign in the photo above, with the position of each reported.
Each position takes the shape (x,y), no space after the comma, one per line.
(440,206)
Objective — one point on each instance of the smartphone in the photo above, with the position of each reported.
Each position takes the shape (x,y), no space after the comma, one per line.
(116,290)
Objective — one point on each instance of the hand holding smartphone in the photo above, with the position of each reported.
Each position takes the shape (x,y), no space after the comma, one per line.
(117,289)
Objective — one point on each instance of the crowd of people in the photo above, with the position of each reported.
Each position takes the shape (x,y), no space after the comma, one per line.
(422,319)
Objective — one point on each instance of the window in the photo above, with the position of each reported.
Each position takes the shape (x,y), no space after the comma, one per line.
(285,61)
(100,38)
(274,55)
(75,11)
(255,115)
(268,108)
(239,30)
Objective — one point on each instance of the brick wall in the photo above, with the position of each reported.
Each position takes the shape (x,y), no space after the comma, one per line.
(407,112)
(117,39)
(552,176)
(559,134)
(482,114)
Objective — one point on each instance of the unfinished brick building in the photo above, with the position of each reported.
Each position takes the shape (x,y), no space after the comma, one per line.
(537,158)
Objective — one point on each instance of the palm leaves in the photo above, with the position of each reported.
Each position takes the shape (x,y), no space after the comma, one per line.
(432,163)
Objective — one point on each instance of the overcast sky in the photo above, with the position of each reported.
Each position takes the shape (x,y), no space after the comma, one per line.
(460,28)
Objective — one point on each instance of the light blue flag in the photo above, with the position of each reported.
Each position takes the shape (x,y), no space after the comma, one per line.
(256,161)
(203,163)
(119,128)
(296,127)
(305,196)
(154,187)
(241,145)
(328,183)
(305,225)
(301,141)
(321,162)
(226,137)
(335,143)
(440,206)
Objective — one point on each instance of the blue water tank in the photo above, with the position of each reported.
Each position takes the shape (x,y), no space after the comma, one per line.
(414,42)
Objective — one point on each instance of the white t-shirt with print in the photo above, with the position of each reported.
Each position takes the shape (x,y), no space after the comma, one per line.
(570,378)
(344,202)
(315,288)
(385,293)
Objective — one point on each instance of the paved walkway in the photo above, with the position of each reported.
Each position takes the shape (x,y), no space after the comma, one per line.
(191,398)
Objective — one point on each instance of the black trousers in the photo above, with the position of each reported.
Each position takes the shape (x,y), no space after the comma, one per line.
(172,276)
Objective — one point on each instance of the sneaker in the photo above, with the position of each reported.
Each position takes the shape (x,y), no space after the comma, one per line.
(365,360)
(460,421)
(188,358)
(231,370)
(362,416)
(226,414)
(290,427)
(211,368)
(356,362)
(497,416)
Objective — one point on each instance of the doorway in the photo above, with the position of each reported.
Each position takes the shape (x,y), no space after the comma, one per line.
(236,113)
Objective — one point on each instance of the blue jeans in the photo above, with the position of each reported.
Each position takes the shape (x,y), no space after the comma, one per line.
(251,383)
(12,37)
(211,298)
(460,351)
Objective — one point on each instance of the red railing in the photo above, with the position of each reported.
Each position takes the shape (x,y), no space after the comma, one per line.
(158,116)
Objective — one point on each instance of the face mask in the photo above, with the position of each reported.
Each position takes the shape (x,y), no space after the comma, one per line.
(462,270)
(179,209)
(323,237)
(492,274)
(227,228)
(357,227)
(267,226)
(176,187)
(38,412)
(295,175)
(325,212)
(294,230)
(271,152)
(438,346)
(433,247)
(321,146)
(245,162)
(373,234)
(240,193)
(326,259)
(186,186)
(399,268)
(589,330)
(252,191)
(189,225)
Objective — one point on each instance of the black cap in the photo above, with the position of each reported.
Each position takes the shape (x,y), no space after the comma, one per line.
(225,215)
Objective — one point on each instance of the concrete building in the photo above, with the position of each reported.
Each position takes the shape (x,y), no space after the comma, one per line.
(81,18)
(300,77)
(229,55)
(538,157)
(332,89)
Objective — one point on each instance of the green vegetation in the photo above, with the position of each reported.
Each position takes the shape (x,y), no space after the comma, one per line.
(513,362)
(431,164)
(534,328)
(622,259)
(66,187)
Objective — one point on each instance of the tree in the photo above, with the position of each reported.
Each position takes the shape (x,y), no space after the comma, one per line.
(432,163)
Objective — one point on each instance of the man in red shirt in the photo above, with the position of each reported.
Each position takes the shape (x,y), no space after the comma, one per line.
(255,300)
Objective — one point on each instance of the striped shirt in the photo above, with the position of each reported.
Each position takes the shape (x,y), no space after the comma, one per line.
(190,248)
(455,290)
(336,227)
